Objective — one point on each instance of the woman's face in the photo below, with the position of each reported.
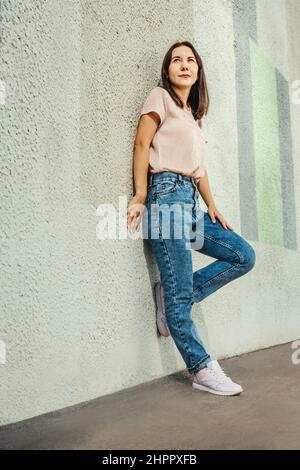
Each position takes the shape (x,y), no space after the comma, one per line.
(183,62)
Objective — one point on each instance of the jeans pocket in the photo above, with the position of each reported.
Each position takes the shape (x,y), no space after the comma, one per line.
(165,187)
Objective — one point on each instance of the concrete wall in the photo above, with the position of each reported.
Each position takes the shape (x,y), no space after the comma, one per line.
(77,313)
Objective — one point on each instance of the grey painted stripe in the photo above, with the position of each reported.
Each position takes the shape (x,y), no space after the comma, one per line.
(244,15)
(244,25)
(286,163)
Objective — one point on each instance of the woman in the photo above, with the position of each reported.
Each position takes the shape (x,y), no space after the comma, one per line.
(171,144)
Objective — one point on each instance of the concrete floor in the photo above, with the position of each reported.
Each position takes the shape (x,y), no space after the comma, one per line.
(169,414)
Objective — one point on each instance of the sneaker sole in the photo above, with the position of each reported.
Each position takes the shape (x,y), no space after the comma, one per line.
(215,392)
(159,310)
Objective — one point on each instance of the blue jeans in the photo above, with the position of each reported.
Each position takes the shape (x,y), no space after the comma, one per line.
(172,207)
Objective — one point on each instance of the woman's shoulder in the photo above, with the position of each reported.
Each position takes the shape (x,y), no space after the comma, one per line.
(157,97)
(159,91)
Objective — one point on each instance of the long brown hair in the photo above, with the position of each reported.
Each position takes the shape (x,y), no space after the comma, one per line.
(198,98)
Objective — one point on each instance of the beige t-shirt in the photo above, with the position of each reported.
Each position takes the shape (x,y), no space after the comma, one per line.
(179,143)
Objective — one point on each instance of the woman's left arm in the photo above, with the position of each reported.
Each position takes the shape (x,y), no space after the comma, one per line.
(205,192)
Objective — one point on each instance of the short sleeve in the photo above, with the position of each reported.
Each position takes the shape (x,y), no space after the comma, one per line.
(204,169)
(202,133)
(155,102)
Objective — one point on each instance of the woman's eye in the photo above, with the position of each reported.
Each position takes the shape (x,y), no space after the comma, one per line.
(175,60)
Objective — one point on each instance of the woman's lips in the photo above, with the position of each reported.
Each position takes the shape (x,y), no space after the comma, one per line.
(184,76)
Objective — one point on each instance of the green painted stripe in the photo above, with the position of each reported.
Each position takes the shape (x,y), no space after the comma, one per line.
(266,148)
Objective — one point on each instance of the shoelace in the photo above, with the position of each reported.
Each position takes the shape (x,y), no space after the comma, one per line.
(219,374)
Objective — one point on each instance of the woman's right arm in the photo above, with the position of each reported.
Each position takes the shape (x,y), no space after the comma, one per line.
(145,132)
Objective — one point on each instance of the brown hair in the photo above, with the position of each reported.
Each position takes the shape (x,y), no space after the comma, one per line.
(198,98)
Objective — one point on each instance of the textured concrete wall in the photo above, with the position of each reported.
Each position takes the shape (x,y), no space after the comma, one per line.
(77,313)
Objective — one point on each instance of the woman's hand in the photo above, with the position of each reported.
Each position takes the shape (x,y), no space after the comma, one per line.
(215,214)
(134,212)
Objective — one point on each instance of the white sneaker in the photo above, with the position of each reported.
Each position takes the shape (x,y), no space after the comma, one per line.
(161,320)
(213,379)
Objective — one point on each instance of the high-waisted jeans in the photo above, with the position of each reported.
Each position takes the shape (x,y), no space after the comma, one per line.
(174,224)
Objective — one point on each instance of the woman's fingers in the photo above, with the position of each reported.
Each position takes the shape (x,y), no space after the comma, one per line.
(134,214)
(215,214)
(212,216)
(136,225)
(133,222)
(224,223)
(227,226)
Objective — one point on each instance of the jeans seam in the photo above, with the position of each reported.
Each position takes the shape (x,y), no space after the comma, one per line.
(174,292)
(172,190)
(205,361)
(209,282)
(241,258)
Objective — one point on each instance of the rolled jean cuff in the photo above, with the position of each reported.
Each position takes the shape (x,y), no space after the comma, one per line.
(200,365)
